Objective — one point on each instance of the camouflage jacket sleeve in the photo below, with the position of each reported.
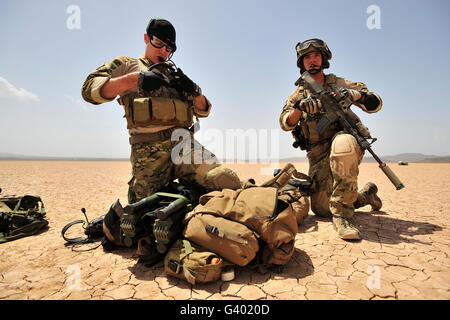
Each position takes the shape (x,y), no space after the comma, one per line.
(117,67)
(203,113)
(295,95)
(359,86)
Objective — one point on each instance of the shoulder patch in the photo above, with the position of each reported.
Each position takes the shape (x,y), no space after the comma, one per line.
(330,78)
(112,65)
(116,62)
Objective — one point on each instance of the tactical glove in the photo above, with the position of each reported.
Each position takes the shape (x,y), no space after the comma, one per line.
(148,80)
(370,101)
(310,105)
(182,83)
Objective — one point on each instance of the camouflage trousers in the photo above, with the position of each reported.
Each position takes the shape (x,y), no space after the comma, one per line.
(334,170)
(153,168)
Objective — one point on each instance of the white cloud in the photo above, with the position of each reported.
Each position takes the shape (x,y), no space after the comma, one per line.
(10,91)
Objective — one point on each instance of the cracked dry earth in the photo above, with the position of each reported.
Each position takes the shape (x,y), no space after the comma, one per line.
(403,254)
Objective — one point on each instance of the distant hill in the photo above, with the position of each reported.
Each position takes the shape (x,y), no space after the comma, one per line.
(411,157)
(436,160)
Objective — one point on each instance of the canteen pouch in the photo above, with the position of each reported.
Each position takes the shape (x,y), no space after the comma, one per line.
(189,261)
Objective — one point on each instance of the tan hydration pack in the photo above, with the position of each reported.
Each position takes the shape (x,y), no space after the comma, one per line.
(259,210)
(230,239)
(224,221)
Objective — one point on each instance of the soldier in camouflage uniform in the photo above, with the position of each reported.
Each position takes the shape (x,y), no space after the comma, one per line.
(334,156)
(158,98)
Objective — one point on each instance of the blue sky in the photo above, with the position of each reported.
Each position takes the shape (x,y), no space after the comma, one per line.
(242,55)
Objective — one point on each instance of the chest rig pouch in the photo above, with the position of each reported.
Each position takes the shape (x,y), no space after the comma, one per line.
(163,106)
(306,134)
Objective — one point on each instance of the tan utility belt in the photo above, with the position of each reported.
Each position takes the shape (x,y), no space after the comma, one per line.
(141,112)
(152,137)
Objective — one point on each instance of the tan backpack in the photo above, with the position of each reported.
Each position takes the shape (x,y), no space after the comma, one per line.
(260,208)
(230,239)
(189,261)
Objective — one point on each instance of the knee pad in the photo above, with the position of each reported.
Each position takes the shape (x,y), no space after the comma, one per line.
(222,178)
(345,154)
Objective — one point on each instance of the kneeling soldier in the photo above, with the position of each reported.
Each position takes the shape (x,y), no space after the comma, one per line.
(158,98)
(334,155)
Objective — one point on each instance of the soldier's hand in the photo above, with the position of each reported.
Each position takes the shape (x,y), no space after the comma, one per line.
(310,105)
(148,80)
(354,95)
(183,83)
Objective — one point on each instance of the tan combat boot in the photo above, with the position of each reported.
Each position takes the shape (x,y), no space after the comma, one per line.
(345,229)
(368,195)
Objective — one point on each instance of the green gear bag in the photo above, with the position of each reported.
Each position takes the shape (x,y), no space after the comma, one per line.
(21,216)
(189,261)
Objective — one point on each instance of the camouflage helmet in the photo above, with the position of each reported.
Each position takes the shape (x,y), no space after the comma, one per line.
(310,45)
(163,30)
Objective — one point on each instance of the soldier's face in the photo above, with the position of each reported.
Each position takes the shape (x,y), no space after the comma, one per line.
(156,55)
(312,61)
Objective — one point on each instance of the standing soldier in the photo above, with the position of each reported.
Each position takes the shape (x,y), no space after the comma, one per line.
(158,98)
(334,156)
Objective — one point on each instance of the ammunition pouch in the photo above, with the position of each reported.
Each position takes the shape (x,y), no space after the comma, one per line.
(144,111)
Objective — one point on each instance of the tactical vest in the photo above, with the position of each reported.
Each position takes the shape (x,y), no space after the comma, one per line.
(163,106)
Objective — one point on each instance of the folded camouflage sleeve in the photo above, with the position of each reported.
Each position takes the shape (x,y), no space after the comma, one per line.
(203,113)
(117,67)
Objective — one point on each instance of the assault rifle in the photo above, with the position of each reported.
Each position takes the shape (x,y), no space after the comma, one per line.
(174,77)
(335,104)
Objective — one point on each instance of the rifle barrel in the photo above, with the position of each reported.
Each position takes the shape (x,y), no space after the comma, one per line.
(387,171)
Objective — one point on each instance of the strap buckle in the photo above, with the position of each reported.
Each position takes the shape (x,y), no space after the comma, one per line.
(175,266)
